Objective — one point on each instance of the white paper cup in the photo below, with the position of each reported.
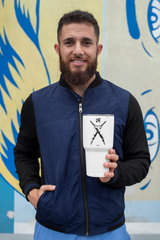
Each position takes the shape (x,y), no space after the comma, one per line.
(98,132)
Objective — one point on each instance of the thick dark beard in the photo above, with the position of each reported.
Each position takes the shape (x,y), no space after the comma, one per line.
(78,77)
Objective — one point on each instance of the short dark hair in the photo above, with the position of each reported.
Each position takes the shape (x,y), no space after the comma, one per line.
(78,16)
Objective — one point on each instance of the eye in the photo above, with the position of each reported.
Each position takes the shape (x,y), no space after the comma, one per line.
(87,43)
(69,43)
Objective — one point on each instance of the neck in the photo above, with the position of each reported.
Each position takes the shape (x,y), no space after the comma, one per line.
(81,88)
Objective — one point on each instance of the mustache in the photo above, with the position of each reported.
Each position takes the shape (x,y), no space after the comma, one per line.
(78,57)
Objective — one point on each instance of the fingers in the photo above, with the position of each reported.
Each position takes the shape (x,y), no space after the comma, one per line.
(35,194)
(112,151)
(112,156)
(110,165)
(109,175)
(45,188)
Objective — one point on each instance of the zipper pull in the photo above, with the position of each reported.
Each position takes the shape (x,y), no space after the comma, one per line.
(80,108)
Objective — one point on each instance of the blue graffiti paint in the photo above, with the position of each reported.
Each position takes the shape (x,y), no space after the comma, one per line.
(37,14)
(25,23)
(150,131)
(8,149)
(19,117)
(153,19)
(3,3)
(146,50)
(7,204)
(146,92)
(2,102)
(27,27)
(6,57)
(145,186)
(132,20)
(143,211)
(152,128)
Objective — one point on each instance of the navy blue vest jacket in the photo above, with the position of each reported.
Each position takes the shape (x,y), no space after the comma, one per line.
(80,204)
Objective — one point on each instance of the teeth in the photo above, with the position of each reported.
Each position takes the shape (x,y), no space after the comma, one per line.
(78,61)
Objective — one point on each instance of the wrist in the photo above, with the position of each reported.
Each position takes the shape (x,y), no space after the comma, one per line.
(32,194)
(30,187)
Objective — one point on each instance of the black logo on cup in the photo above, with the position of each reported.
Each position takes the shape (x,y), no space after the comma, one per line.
(98,129)
(98,120)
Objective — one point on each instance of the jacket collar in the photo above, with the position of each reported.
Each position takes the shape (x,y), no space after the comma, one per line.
(97,81)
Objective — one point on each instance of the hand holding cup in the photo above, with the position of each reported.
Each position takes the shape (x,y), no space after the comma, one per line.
(112,165)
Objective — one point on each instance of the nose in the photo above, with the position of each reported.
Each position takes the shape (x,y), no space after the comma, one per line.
(78,49)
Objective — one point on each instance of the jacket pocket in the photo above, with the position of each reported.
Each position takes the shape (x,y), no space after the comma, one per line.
(44,204)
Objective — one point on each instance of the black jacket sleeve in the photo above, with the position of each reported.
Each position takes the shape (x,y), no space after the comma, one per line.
(136,157)
(27,150)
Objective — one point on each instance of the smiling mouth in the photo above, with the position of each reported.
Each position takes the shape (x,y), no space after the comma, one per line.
(78,61)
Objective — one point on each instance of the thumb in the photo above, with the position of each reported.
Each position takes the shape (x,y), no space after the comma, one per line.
(45,188)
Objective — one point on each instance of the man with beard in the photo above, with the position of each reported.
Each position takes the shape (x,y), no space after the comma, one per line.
(70,204)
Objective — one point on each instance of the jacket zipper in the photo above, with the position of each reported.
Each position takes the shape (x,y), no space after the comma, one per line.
(83,169)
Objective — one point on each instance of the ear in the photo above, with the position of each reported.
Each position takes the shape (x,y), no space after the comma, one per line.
(56,47)
(99,48)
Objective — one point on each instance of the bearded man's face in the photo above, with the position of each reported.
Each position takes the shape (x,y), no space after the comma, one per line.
(78,51)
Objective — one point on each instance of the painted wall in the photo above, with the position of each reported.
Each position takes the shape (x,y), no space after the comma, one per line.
(130,33)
